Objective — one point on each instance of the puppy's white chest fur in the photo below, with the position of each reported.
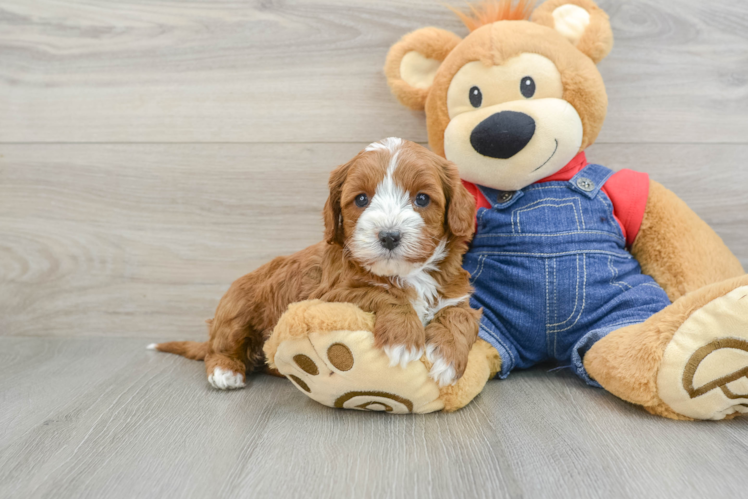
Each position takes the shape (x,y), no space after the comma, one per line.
(426,295)
(428,299)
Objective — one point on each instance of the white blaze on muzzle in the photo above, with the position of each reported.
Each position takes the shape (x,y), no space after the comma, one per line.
(390,209)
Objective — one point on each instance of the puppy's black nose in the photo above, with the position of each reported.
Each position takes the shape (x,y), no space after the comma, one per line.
(389,239)
(503,135)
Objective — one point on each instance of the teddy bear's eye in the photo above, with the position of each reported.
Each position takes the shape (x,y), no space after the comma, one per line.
(527,87)
(476,97)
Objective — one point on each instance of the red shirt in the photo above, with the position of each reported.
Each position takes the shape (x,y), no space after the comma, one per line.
(627,189)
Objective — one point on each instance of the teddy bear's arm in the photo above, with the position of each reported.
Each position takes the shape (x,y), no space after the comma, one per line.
(678,249)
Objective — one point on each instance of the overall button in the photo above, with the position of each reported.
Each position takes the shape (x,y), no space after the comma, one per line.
(585,184)
(505,196)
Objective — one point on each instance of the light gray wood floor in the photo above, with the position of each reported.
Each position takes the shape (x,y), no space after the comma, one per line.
(152,152)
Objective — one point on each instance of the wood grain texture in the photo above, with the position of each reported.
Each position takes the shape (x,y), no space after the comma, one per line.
(105,418)
(302,71)
(153,151)
(142,240)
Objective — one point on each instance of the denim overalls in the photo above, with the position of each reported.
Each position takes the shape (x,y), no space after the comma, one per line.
(552,274)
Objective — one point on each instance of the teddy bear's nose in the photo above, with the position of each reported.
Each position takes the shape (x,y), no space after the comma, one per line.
(503,135)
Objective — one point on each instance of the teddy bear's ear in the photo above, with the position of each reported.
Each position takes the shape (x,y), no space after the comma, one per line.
(413,62)
(581,22)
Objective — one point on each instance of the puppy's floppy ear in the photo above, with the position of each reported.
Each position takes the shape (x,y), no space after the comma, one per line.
(460,219)
(333,213)
(412,64)
(581,22)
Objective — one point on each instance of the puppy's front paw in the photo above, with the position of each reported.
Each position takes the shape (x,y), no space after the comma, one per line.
(442,371)
(226,379)
(402,355)
(402,338)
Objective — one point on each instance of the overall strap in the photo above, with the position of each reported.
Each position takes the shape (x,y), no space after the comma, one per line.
(500,199)
(590,180)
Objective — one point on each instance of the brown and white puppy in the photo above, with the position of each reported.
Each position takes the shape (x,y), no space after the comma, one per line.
(397,223)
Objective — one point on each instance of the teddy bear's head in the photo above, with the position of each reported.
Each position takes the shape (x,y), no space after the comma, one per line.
(515,100)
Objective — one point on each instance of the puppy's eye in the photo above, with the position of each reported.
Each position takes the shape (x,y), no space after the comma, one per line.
(422,200)
(476,97)
(527,87)
(361,200)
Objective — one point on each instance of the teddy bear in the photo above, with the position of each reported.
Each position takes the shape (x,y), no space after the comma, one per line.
(605,272)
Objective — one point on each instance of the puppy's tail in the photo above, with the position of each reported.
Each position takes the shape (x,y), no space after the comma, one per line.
(188,349)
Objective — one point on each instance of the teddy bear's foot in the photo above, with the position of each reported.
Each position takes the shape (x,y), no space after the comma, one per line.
(327,350)
(690,361)
(704,369)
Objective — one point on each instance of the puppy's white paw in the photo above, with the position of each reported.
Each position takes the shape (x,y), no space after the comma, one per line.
(226,379)
(441,372)
(401,355)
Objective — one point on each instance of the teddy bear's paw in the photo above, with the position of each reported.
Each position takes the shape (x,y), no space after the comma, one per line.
(704,369)
(442,372)
(402,355)
(344,369)
(226,379)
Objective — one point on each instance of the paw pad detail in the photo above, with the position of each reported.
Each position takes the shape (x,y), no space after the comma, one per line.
(300,383)
(704,369)
(340,357)
(698,360)
(374,401)
(327,351)
(306,364)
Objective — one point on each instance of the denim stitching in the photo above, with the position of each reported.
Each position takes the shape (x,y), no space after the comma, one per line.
(613,282)
(547,305)
(560,254)
(555,304)
(584,295)
(612,216)
(528,209)
(488,329)
(536,204)
(537,188)
(566,233)
(480,217)
(576,301)
(555,290)
(531,205)
(478,270)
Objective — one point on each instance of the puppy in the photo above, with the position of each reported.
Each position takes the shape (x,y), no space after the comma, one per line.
(397,223)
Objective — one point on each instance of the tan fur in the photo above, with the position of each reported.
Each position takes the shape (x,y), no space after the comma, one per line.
(432,43)
(626,361)
(250,309)
(310,320)
(492,44)
(305,317)
(681,252)
(678,249)
(597,41)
